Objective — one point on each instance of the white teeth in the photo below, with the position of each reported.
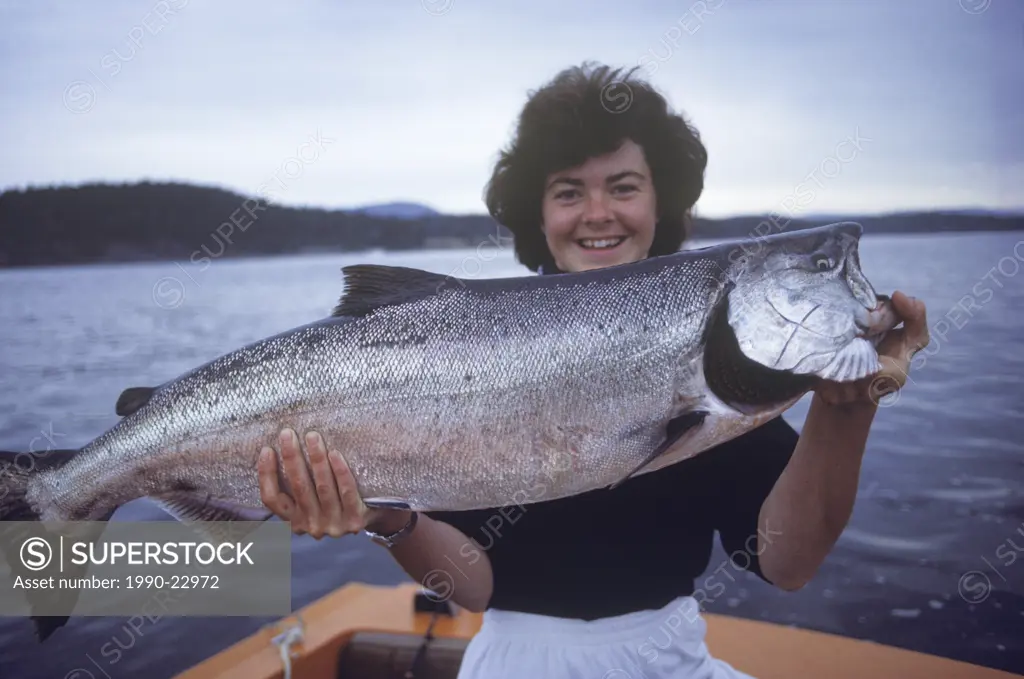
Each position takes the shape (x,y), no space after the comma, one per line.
(597,244)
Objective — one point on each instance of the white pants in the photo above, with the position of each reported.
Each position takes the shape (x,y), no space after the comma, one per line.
(668,642)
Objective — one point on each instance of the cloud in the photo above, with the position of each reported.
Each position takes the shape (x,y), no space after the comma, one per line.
(221,93)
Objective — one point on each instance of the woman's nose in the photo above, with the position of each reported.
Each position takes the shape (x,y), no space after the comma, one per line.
(596,208)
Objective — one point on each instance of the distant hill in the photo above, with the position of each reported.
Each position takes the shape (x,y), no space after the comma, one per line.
(152,221)
(398,210)
(965,212)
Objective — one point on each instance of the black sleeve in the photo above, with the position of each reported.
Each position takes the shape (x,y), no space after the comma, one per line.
(750,464)
(488,534)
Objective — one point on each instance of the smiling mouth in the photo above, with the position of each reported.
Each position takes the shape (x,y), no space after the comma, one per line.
(600,243)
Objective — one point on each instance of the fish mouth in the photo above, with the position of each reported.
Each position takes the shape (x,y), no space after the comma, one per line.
(603,244)
(873,324)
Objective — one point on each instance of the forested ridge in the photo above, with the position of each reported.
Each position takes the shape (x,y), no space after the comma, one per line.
(166,221)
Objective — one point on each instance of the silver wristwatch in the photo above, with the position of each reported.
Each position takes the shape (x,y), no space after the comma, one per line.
(390,540)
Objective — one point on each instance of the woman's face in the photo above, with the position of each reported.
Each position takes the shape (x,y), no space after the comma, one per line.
(600,213)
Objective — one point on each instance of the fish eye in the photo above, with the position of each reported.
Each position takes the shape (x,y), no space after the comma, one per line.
(823,263)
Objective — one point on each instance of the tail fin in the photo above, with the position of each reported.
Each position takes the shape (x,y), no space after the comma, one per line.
(45,625)
(16,471)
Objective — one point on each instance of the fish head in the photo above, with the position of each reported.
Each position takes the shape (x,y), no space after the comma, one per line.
(799,302)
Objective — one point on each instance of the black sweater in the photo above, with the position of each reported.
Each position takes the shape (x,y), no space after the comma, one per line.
(610,552)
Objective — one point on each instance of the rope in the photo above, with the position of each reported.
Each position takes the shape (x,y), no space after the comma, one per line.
(285,640)
(421,651)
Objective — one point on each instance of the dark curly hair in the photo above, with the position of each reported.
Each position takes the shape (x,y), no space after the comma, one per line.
(589,111)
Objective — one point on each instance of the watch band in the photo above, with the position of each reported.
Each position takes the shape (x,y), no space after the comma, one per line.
(390,540)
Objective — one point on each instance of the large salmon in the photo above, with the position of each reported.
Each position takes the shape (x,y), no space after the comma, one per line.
(447,393)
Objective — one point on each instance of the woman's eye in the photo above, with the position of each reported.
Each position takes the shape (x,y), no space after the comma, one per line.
(822,263)
(565,195)
(624,188)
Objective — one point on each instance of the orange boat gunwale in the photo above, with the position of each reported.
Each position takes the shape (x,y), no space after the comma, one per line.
(763,650)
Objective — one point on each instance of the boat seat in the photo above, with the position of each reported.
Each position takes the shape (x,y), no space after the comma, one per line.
(375,655)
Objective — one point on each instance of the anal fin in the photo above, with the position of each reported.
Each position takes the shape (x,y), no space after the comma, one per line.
(196,509)
(674,431)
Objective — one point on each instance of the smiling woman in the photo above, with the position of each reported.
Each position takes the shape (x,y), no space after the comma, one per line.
(580,586)
(583,172)
(601,213)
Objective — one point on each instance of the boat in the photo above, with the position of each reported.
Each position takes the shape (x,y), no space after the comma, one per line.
(403,631)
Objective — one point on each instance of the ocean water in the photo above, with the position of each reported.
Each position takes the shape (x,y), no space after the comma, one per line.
(930,560)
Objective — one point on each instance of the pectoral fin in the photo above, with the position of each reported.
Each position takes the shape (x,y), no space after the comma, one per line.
(855,361)
(386,503)
(674,431)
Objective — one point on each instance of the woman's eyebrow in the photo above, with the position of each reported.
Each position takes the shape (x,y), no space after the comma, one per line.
(622,175)
(572,181)
(618,176)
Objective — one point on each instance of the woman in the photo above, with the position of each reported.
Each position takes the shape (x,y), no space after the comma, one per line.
(603,584)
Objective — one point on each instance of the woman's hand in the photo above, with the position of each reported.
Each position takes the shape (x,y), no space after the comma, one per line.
(326,503)
(894,353)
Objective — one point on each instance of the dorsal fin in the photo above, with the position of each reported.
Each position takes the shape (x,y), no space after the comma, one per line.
(371,286)
(133,398)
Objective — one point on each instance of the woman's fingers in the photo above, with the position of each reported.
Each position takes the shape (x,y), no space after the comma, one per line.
(308,513)
(270,490)
(915,321)
(353,510)
(325,501)
(356,515)
(330,518)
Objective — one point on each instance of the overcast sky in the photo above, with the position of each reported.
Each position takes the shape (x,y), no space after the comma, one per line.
(413,98)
